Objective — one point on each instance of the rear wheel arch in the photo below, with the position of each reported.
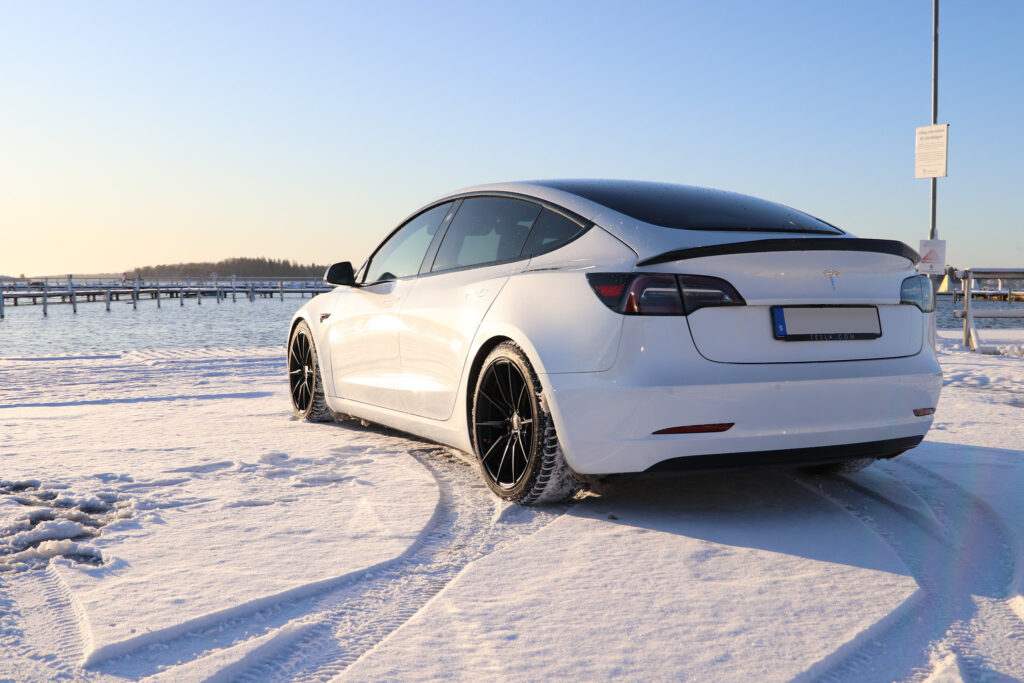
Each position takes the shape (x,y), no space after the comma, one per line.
(474,372)
(497,337)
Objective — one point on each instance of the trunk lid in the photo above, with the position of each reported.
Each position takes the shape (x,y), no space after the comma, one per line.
(817,282)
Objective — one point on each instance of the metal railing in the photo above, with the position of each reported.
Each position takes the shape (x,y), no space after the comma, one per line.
(969,313)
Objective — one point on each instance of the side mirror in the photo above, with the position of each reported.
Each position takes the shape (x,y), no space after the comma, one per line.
(340,274)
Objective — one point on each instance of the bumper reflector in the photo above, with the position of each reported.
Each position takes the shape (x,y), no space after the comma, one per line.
(698,429)
(921,412)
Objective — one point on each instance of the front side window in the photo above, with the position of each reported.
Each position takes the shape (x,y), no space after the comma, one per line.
(486,230)
(402,254)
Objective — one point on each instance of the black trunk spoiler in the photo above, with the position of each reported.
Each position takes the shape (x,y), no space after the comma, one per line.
(893,247)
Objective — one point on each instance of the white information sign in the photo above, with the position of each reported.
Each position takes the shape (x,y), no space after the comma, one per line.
(933,257)
(930,151)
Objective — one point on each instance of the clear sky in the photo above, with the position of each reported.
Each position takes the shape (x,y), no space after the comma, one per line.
(135,133)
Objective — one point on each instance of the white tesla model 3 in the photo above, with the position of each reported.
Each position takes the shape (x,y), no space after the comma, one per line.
(562,330)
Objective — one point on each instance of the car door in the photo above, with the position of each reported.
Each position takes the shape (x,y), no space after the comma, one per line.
(482,246)
(363,327)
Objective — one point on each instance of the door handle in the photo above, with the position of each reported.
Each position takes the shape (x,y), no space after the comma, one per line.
(477,294)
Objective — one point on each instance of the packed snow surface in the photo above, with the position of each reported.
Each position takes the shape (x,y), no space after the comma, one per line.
(163,515)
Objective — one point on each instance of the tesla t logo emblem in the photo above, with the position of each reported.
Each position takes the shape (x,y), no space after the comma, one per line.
(832,274)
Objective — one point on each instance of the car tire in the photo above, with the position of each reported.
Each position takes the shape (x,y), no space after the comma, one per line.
(304,383)
(513,434)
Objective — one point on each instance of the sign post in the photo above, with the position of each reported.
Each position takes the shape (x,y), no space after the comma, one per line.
(931,160)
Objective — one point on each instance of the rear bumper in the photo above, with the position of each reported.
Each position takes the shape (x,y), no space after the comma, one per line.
(780,412)
(789,457)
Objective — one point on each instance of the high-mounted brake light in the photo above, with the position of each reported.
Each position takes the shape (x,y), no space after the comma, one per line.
(662,293)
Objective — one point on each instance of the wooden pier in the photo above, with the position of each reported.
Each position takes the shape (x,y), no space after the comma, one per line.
(44,293)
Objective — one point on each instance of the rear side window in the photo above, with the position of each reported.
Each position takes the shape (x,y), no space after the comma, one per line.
(403,252)
(550,231)
(486,230)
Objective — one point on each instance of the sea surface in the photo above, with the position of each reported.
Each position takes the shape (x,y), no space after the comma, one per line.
(264,322)
(24,331)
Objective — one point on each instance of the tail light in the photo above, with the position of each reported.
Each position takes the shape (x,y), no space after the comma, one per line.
(917,291)
(662,294)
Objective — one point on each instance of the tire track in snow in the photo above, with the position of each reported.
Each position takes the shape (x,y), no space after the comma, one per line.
(963,558)
(46,613)
(463,530)
(338,624)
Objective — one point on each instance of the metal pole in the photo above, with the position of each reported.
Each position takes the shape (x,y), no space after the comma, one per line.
(74,299)
(934,233)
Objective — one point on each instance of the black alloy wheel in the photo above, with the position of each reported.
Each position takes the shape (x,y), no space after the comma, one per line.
(307,394)
(505,424)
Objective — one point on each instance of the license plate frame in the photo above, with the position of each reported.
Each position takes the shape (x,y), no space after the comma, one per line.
(826,323)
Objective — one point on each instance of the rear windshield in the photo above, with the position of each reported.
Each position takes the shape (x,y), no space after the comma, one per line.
(693,208)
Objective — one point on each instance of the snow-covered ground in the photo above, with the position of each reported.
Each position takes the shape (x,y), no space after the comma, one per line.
(163,515)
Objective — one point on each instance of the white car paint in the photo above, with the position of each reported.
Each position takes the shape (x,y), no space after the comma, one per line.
(402,353)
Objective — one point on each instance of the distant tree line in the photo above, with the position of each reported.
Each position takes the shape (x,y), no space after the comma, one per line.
(242,267)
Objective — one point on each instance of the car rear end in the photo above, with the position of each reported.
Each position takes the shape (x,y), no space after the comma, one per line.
(704,377)
(741,349)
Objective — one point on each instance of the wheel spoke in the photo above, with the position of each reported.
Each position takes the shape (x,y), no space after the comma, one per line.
(492,423)
(493,402)
(522,453)
(493,446)
(511,388)
(504,454)
(514,442)
(497,383)
(519,401)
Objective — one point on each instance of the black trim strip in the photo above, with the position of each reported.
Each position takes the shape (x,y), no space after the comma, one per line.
(893,247)
(788,457)
(584,223)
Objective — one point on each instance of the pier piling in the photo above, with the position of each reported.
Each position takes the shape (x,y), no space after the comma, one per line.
(74,298)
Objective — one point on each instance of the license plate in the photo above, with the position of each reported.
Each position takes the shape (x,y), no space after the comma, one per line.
(825,323)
